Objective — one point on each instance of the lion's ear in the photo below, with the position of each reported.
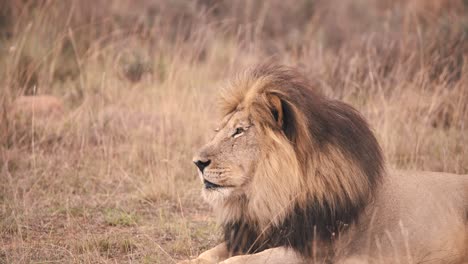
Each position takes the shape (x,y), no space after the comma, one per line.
(276,109)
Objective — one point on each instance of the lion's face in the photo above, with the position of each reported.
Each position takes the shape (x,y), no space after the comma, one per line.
(226,164)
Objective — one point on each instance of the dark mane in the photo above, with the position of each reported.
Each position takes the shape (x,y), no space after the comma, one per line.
(334,145)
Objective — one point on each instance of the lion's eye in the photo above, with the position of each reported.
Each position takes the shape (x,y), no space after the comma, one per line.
(239,131)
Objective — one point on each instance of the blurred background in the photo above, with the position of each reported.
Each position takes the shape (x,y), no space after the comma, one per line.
(102,104)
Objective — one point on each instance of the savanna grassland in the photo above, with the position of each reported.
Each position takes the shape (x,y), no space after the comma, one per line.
(107,176)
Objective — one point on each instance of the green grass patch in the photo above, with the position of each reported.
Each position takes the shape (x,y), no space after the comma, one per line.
(117,217)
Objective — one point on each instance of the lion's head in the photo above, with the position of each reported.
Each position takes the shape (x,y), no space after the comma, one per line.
(285,156)
(227,163)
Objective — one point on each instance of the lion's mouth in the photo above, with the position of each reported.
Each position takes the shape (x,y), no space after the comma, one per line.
(210,185)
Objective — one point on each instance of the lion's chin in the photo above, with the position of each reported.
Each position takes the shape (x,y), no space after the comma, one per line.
(217,196)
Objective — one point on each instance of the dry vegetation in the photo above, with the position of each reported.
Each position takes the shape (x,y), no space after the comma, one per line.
(108,178)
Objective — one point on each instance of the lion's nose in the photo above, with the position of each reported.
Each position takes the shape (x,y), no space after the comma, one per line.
(202,164)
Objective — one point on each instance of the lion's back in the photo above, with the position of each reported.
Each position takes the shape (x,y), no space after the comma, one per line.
(418,216)
(432,189)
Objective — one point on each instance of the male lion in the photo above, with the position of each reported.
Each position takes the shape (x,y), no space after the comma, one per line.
(295,177)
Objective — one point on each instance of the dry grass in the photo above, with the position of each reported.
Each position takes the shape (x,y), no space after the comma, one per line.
(110,180)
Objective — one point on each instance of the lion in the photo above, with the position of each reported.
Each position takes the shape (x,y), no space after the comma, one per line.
(295,177)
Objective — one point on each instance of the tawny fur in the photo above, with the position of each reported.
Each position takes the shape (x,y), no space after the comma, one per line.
(319,169)
(318,189)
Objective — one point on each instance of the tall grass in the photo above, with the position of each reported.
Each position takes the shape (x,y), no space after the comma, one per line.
(110,179)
